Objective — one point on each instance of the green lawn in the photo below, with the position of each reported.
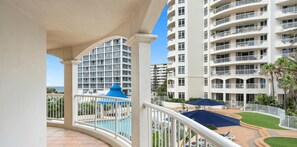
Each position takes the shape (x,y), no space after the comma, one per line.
(281,142)
(261,120)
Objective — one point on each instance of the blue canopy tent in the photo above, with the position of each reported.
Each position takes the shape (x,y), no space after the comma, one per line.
(204,102)
(210,118)
(115,91)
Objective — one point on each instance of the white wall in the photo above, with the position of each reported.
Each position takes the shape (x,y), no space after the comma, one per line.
(22,80)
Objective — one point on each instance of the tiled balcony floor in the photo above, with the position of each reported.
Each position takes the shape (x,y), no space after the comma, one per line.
(58,137)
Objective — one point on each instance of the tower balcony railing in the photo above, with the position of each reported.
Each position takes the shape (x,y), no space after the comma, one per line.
(236,72)
(238,17)
(289,25)
(255,85)
(237,31)
(234,4)
(239,45)
(289,40)
(234,85)
(218,85)
(237,58)
(289,10)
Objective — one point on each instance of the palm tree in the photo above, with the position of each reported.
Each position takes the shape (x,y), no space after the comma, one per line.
(268,70)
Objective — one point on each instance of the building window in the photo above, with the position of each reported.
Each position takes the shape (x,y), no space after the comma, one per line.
(205,46)
(205,23)
(181,46)
(181,11)
(205,1)
(181,1)
(181,58)
(205,94)
(181,34)
(205,11)
(181,95)
(205,34)
(181,69)
(205,82)
(205,58)
(181,81)
(205,70)
(181,22)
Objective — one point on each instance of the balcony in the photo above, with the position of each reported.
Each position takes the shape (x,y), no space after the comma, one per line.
(171,54)
(171,11)
(171,34)
(239,45)
(289,25)
(251,17)
(171,65)
(238,72)
(238,59)
(234,4)
(110,116)
(171,44)
(234,33)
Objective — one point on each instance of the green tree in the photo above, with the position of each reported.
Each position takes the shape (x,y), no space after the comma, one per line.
(269,69)
(51,90)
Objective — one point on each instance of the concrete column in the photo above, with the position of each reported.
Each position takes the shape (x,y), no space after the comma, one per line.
(140,48)
(244,94)
(70,89)
(224,97)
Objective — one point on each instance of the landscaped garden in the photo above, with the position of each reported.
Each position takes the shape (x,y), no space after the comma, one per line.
(281,142)
(261,120)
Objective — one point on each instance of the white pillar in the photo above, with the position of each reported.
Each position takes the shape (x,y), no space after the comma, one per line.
(70,89)
(141,87)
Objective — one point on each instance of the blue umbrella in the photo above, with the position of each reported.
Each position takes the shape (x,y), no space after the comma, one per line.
(204,102)
(115,91)
(210,118)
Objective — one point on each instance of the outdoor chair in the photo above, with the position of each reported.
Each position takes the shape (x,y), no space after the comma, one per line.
(226,135)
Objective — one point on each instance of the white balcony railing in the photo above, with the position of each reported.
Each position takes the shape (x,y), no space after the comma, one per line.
(238,17)
(113,116)
(234,4)
(239,45)
(236,72)
(169,128)
(237,31)
(217,85)
(55,107)
(238,58)
(105,113)
(289,25)
(289,10)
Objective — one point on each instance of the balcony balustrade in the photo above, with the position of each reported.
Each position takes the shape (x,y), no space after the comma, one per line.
(238,17)
(237,58)
(289,25)
(237,31)
(289,10)
(289,40)
(239,45)
(236,72)
(234,4)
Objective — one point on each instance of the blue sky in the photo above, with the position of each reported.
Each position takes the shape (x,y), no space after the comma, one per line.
(55,70)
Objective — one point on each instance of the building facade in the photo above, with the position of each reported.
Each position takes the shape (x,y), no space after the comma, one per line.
(239,37)
(105,65)
(185,77)
(158,75)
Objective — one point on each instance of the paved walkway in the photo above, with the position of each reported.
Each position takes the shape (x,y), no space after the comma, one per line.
(58,137)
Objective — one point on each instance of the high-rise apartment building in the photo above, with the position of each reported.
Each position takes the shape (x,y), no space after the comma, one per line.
(158,75)
(185,45)
(104,66)
(239,36)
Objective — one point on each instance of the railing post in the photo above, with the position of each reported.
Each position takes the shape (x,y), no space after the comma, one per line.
(116,119)
(174,132)
(140,47)
(96,112)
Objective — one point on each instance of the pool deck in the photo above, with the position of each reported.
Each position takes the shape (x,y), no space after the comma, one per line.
(58,137)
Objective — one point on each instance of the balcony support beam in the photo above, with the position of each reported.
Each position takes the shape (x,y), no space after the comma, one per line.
(140,48)
(70,89)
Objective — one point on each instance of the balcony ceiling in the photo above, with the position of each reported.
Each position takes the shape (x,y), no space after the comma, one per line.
(74,22)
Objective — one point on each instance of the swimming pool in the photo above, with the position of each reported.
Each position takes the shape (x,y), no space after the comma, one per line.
(123,126)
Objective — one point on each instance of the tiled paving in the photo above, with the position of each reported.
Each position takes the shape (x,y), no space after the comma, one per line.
(58,137)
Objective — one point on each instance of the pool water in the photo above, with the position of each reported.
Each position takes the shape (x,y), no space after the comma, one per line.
(124,126)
